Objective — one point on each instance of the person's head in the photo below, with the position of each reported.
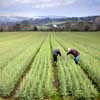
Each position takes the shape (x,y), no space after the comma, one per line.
(69,49)
(58,49)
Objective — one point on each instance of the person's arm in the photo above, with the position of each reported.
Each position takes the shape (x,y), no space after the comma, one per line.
(59,53)
(68,53)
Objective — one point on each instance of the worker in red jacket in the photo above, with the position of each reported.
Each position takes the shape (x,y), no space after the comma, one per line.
(75,53)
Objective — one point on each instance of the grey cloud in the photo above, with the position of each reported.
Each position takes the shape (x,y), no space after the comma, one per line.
(37,3)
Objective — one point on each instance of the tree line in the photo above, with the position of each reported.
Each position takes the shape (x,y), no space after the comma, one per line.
(68,26)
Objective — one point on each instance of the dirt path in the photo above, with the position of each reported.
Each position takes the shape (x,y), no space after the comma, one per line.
(55,72)
(56,81)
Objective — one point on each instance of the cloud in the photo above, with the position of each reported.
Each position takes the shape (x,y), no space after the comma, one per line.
(37,3)
(20,14)
(48,3)
(6,3)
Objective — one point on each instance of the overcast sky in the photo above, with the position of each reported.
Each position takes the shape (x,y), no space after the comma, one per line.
(30,8)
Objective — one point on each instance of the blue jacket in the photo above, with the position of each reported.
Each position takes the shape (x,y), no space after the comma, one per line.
(56,52)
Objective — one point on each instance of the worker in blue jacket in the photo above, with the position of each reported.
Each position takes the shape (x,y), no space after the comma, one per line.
(56,52)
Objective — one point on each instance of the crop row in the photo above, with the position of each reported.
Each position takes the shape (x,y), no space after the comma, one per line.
(38,82)
(26,67)
(88,61)
(12,53)
(10,74)
(73,80)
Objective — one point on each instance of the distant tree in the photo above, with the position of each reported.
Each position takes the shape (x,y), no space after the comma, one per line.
(81,26)
(17,27)
(86,27)
(93,27)
(74,26)
(68,27)
(6,27)
(97,22)
(35,28)
(1,29)
(27,26)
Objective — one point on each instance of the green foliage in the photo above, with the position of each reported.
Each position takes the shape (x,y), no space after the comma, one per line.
(26,61)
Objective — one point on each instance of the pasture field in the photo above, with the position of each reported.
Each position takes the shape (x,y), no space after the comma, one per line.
(27,71)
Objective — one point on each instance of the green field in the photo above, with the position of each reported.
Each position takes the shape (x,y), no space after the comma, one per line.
(27,71)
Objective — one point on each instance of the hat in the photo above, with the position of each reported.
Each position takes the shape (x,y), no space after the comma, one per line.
(69,49)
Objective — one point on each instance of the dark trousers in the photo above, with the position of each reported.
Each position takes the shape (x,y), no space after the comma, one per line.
(54,58)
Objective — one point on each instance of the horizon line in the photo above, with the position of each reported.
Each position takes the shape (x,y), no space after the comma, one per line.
(47,16)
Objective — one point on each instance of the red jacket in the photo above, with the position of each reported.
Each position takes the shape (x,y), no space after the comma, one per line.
(74,52)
